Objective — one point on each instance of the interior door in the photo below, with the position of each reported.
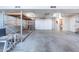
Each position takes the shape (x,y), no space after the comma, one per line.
(61,23)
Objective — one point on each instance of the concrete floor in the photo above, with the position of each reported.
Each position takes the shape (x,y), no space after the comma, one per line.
(49,41)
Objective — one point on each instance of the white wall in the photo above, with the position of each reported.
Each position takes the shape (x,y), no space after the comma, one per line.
(72,24)
(69,23)
(66,24)
(76,22)
(53,24)
(43,24)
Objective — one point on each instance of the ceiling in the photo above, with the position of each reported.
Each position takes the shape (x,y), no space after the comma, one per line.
(46,12)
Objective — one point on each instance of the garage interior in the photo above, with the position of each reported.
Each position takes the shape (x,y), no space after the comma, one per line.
(39,30)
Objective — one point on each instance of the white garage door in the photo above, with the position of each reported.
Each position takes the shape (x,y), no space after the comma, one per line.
(43,24)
